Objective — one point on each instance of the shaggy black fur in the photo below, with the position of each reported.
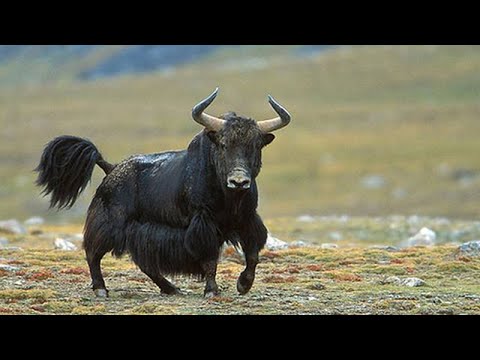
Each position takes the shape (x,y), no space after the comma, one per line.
(170,211)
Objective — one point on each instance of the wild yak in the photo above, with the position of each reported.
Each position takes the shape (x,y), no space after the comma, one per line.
(171,211)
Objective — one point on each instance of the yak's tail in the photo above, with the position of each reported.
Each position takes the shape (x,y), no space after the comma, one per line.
(66,167)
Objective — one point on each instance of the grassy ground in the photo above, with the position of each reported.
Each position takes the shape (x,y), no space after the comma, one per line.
(407,113)
(352,279)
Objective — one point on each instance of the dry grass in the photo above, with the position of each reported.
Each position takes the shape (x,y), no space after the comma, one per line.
(305,280)
(296,281)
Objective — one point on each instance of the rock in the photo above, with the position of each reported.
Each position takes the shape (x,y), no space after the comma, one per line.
(3,242)
(275,244)
(62,244)
(317,286)
(335,235)
(424,237)
(305,218)
(391,280)
(465,177)
(385,247)
(412,282)
(298,243)
(328,246)
(471,248)
(373,182)
(8,267)
(12,226)
(34,220)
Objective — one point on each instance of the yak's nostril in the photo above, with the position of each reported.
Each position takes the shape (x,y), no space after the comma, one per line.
(238,183)
(242,183)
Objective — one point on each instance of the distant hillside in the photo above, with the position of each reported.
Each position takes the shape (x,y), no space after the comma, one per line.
(375,130)
(41,64)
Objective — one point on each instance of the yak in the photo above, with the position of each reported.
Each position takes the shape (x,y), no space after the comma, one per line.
(170,211)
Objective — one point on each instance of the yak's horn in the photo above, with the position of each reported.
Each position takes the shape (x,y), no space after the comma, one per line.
(210,122)
(276,123)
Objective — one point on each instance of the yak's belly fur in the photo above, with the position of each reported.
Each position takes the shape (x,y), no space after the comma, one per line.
(157,248)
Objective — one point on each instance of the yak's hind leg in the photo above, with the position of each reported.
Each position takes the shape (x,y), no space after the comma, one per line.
(166,287)
(252,239)
(211,287)
(96,247)
(98,283)
(104,232)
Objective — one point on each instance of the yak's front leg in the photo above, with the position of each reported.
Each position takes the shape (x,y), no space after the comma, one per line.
(211,287)
(202,241)
(252,239)
(246,278)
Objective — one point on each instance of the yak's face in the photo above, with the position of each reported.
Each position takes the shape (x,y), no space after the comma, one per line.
(237,151)
(238,142)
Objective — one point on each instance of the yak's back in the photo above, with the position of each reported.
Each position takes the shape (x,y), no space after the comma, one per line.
(148,181)
(142,164)
(154,185)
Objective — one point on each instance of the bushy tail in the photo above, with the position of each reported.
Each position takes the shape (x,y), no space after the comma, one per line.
(66,167)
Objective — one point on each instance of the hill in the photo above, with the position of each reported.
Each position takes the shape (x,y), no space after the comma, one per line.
(376,129)
(47,64)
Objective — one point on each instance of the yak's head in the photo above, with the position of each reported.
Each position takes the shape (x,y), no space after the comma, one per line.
(238,141)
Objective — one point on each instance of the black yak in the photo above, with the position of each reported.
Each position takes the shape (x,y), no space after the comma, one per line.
(171,211)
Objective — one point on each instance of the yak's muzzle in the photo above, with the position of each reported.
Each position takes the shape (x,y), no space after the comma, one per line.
(238,180)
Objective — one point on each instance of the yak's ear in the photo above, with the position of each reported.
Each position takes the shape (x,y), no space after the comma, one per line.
(212,135)
(267,139)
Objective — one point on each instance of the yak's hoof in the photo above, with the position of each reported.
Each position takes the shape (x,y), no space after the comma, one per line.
(211,294)
(171,291)
(243,287)
(101,293)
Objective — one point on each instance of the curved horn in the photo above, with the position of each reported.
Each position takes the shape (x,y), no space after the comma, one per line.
(276,123)
(210,122)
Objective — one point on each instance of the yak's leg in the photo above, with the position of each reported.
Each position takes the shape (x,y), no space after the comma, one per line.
(246,278)
(98,284)
(99,238)
(145,241)
(202,242)
(252,239)
(211,287)
(166,287)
